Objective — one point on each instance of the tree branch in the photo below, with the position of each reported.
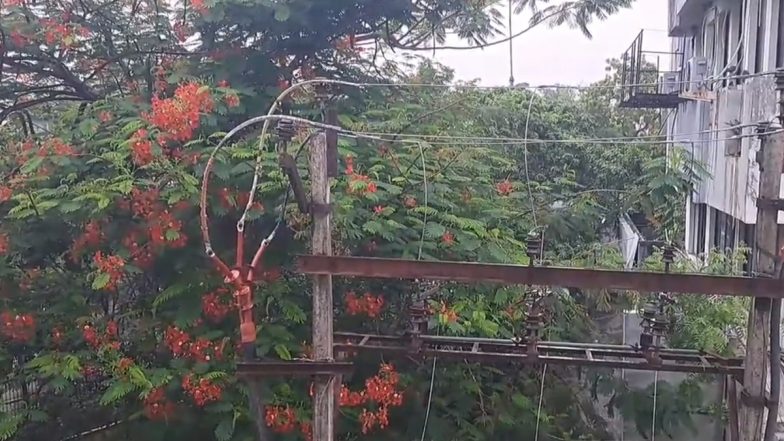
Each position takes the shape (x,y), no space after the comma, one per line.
(394,43)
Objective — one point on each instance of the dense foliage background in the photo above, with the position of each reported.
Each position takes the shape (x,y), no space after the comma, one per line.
(111,313)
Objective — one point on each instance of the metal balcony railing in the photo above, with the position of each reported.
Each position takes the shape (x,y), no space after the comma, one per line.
(644,84)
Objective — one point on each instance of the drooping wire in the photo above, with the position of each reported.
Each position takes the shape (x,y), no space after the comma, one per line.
(419,257)
(539,406)
(525,160)
(541,248)
(575,87)
(511,48)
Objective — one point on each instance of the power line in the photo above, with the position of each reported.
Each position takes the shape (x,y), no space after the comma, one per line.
(527,87)
(391,137)
(467,140)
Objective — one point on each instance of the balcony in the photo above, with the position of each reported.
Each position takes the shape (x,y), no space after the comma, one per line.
(644,84)
(685,16)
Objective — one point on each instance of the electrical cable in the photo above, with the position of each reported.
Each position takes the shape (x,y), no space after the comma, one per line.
(525,160)
(521,86)
(541,249)
(364,135)
(539,406)
(276,104)
(608,140)
(419,257)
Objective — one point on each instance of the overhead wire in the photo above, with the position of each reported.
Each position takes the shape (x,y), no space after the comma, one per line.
(322,81)
(374,136)
(466,86)
(616,139)
(655,393)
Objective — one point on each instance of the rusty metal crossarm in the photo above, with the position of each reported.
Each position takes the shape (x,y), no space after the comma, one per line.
(676,283)
(556,353)
(296,368)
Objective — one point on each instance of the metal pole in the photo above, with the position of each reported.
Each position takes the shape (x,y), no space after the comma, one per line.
(324,390)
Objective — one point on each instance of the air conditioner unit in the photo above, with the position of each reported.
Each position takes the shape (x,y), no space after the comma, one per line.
(697,69)
(669,83)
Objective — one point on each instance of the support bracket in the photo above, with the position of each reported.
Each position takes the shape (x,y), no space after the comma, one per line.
(767,203)
(289,167)
(297,368)
(320,209)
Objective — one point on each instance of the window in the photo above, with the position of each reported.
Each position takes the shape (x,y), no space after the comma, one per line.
(780,43)
(759,47)
(748,240)
(702,219)
(725,56)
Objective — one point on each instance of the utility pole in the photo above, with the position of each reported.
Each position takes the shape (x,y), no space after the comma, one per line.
(320,207)
(753,396)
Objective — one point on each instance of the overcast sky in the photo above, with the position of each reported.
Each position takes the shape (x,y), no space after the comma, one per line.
(562,55)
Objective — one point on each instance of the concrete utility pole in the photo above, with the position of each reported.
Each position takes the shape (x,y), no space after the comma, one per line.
(324,393)
(753,397)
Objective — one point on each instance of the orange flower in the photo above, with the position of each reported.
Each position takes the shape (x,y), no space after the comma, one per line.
(232,100)
(105,116)
(504,188)
(3,244)
(448,239)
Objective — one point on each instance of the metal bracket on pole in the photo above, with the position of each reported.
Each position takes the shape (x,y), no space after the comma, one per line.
(755,401)
(763,202)
(320,209)
(289,167)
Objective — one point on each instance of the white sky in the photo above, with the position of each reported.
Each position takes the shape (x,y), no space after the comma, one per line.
(562,55)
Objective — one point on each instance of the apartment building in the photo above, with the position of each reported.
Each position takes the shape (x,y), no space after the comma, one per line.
(712,92)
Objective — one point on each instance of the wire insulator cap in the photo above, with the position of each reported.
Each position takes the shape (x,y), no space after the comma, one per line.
(285,130)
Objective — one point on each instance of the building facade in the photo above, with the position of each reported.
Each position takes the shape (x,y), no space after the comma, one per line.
(712,100)
(713,91)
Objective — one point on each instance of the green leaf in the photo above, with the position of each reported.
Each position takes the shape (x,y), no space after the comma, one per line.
(373,227)
(101,280)
(87,127)
(225,429)
(32,165)
(116,392)
(103,202)
(434,230)
(282,13)
(9,424)
(283,352)
(137,377)
(67,207)
(170,293)
(37,416)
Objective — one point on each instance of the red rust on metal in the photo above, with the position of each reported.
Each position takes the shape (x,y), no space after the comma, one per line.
(567,354)
(549,276)
(251,369)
